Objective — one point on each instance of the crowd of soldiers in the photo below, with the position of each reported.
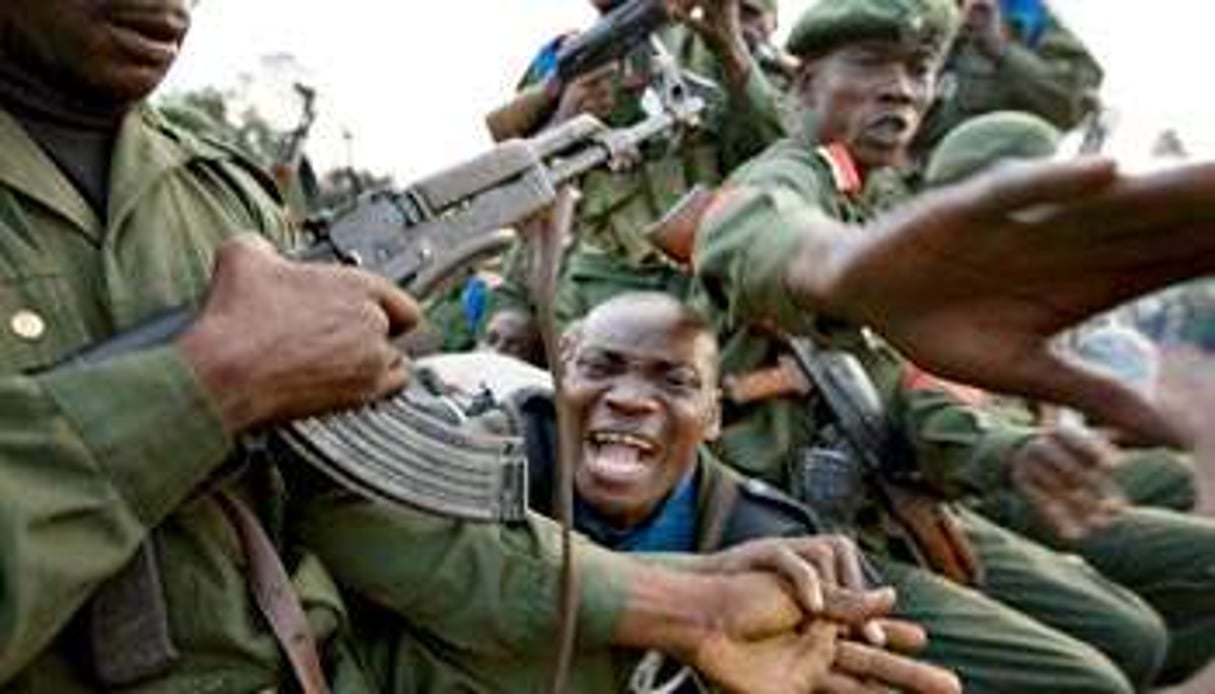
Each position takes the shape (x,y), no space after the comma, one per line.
(683,395)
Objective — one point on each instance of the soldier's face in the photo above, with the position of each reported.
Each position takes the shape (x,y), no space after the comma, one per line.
(642,393)
(870,97)
(757,24)
(114,51)
(514,334)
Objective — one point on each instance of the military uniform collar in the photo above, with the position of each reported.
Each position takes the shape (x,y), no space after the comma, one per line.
(145,149)
(26,168)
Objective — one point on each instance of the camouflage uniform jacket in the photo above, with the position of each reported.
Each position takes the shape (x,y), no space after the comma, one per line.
(610,252)
(95,460)
(740,262)
(1050,74)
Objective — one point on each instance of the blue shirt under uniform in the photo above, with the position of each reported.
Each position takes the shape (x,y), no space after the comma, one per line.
(671,528)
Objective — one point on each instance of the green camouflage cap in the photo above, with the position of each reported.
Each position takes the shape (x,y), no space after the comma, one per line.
(986,140)
(832,23)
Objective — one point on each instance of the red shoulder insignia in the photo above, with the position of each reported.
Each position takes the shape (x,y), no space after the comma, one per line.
(844,172)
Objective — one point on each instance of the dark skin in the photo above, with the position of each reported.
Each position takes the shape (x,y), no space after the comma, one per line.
(514,334)
(641,385)
(641,388)
(329,329)
(871,96)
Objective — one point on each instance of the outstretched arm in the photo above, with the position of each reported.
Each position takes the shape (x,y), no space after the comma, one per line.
(972,281)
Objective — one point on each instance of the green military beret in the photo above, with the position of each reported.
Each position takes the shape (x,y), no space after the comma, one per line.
(985,140)
(832,23)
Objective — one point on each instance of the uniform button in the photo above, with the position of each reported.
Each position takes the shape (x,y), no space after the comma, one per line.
(27,325)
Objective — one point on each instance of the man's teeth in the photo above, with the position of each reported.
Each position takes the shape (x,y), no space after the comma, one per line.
(608,437)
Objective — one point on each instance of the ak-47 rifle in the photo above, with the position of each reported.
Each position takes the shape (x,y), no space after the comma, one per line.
(398,450)
(618,33)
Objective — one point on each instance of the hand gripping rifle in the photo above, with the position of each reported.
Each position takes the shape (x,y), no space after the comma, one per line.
(400,450)
(617,34)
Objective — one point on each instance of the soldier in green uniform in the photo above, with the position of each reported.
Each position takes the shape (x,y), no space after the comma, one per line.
(1157,477)
(610,253)
(108,215)
(1013,55)
(868,67)
(641,389)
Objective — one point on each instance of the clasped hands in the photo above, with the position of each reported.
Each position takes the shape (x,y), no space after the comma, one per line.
(800,616)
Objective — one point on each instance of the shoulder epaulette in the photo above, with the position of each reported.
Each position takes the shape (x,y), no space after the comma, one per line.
(844,172)
(774,499)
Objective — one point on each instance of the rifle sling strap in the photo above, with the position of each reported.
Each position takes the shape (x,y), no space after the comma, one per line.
(276,597)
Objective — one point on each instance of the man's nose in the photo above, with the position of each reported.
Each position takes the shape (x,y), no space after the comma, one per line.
(900,86)
(631,397)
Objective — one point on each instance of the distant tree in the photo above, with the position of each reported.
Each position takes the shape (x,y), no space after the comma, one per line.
(1169,145)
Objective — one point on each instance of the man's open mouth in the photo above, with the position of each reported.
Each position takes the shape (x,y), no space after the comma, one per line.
(889,130)
(619,456)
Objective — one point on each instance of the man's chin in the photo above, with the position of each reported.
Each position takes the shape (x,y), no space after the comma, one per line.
(879,156)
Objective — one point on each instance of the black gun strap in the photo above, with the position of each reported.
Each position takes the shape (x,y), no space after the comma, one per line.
(276,597)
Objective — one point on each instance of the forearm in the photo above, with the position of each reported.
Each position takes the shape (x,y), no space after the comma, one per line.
(91,459)
(1060,90)
(769,259)
(961,448)
(753,116)
(500,585)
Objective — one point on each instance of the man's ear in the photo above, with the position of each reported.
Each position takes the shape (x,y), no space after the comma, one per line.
(803,83)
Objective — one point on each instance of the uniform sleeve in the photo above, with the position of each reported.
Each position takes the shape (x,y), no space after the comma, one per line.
(744,248)
(91,458)
(752,119)
(1057,79)
(490,591)
(961,448)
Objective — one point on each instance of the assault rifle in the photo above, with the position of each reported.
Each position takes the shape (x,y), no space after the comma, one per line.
(617,34)
(400,450)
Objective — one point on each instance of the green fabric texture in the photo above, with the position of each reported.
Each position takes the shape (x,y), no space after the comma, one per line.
(1164,557)
(741,259)
(96,460)
(1056,78)
(828,24)
(985,141)
(611,253)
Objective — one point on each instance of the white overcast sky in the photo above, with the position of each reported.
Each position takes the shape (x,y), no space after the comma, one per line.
(411,80)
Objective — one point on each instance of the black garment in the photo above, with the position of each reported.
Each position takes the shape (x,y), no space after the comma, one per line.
(731,508)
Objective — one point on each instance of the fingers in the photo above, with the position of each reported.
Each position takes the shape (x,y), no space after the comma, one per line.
(855,608)
(1017,186)
(903,636)
(400,308)
(806,578)
(866,663)
(1044,375)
